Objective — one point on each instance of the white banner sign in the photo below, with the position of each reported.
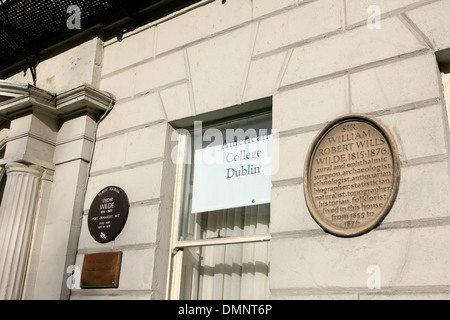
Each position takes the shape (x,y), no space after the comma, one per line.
(232,175)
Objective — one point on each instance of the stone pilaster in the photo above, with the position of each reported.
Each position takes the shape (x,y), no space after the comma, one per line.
(40,222)
(16,223)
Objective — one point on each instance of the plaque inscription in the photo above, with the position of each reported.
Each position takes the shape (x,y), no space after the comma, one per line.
(108,214)
(101,270)
(352,175)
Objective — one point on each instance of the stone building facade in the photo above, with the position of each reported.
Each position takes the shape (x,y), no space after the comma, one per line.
(105,112)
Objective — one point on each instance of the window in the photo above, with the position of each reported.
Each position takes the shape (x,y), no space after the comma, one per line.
(220,247)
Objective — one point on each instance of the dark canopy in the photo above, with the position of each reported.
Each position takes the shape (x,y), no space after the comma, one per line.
(27,27)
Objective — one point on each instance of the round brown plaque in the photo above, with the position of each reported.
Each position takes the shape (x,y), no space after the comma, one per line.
(352,175)
(108,214)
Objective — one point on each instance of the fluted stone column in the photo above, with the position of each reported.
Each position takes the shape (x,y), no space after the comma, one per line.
(16,224)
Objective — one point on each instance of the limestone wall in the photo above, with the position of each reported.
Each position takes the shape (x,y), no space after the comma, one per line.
(317,60)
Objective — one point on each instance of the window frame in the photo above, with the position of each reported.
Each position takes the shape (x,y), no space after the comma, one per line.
(177,246)
(445,78)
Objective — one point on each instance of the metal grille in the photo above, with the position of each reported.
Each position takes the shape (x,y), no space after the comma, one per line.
(28,26)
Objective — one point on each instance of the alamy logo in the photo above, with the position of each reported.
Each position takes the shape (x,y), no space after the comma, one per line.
(374,20)
(73,282)
(74,20)
(374,280)
(232,146)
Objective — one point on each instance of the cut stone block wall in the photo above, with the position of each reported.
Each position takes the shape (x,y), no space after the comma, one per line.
(317,59)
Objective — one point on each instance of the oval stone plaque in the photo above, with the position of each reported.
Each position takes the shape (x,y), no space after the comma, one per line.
(108,214)
(352,175)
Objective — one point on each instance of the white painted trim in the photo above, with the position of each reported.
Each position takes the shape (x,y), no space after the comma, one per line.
(222,241)
(174,278)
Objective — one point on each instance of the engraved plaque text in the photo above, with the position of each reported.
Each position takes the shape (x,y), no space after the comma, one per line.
(351,175)
(101,270)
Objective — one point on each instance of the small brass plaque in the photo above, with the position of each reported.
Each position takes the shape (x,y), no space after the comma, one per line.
(352,175)
(101,270)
